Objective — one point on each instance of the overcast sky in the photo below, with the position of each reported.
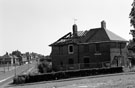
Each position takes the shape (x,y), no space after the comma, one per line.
(31,25)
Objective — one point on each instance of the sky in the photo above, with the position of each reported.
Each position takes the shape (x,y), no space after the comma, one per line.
(31,25)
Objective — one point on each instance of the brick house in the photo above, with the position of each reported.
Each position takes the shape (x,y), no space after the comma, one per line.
(92,48)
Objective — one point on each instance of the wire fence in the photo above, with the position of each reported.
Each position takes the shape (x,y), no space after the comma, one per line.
(6,67)
(83,66)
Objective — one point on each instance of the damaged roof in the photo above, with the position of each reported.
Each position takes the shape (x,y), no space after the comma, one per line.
(89,36)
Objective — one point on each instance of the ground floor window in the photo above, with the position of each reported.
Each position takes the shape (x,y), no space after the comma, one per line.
(71,61)
(61,63)
(86,62)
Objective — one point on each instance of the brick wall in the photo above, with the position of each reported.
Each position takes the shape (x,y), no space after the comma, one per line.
(82,52)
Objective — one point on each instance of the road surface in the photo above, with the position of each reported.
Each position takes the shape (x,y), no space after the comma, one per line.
(7,77)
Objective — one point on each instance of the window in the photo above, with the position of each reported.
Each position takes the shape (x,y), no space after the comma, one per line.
(86,62)
(97,48)
(70,49)
(86,48)
(71,61)
(61,63)
(60,50)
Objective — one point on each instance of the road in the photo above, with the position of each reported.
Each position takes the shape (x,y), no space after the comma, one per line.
(7,77)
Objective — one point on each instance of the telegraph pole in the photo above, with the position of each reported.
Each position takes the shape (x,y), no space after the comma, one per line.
(14,58)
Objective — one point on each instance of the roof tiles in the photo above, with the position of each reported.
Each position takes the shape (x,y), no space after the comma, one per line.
(93,35)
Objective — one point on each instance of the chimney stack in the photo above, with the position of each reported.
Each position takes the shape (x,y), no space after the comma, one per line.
(74,30)
(103,24)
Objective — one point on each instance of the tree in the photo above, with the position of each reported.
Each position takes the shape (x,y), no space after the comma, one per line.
(44,66)
(19,55)
(131,45)
(16,53)
(132,20)
(132,15)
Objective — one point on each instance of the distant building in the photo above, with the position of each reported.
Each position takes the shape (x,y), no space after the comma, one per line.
(6,59)
(24,58)
(92,48)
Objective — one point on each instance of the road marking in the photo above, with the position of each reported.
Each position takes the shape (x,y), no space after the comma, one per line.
(28,70)
(6,78)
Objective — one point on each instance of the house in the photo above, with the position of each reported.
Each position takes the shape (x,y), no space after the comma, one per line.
(24,59)
(6,59)
(1,60)
(92,48)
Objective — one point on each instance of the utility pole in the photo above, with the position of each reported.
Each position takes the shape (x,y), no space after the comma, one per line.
(14,65)
(4,64)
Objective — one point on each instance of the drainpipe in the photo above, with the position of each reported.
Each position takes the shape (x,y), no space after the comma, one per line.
(120,50)
(78,56)
(120,53)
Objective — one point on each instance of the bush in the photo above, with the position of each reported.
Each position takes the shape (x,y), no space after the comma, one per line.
(19,80)
(44,67)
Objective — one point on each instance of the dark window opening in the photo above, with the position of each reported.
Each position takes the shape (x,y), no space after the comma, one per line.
(97,48)
(60,50)
(86,48)
(86,62)
(61,63)
(71,61)
(70,49)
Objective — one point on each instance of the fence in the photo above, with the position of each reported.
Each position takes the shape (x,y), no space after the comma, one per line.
(6,67)
(83,66)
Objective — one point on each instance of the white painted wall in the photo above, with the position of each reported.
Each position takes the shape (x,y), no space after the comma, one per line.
(122,57)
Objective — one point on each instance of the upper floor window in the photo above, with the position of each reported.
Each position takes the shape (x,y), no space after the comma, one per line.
(60,50)
(70,49)
(86,48)
(97,47)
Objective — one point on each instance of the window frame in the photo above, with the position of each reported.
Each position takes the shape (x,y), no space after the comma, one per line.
(69,49)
